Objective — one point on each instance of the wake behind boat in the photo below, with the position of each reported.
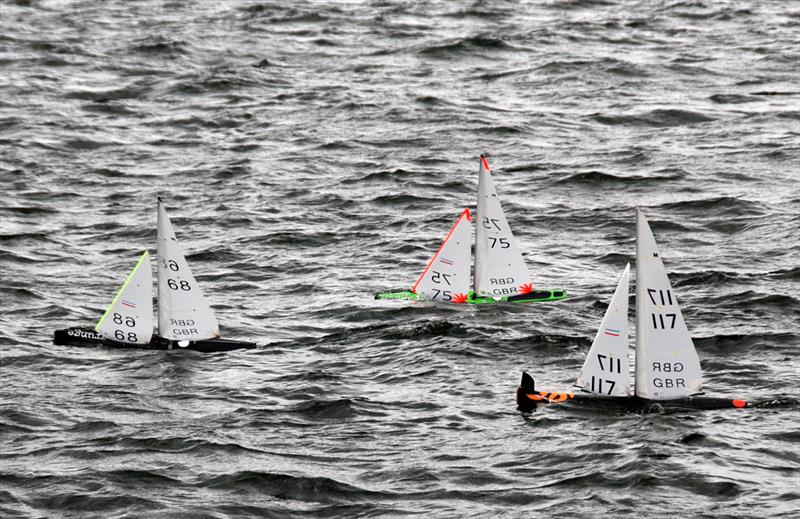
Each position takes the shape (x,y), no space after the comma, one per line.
(667,368)
(500,273)
(185,319)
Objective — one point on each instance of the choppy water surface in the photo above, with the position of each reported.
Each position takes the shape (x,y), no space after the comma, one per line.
(315,153)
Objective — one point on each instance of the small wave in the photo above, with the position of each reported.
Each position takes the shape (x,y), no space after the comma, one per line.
(173,445)
(92,426)
(400,200)
(29,210)
(718,206)
(582,4)
(750,299)
(394,175)
(727,344)
(278,13)
(700,439)
(429,329)
(464,45)
(159,46)
(731,98)
(699,11)
(86,144)
(660,118)
(595,177)
(104,107)
(133,477)
(80,502)
(340,409)
(285,486)
(791,274)
(611,66)
(222,80)
(710,277)
(14,420)
(135,90)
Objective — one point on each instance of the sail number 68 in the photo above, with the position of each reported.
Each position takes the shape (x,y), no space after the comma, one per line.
(183,285)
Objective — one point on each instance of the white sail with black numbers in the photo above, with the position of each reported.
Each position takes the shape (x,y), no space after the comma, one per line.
(667,365)
(446,278)
(183,312)
(499,267)
(606,370)
(129,317)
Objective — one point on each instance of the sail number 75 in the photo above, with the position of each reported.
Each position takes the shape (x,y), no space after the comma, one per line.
(438,277)
(502,241)
(446,295)
(488,223)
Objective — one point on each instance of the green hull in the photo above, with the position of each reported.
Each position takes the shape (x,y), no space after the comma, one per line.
(407,294)
(538,296)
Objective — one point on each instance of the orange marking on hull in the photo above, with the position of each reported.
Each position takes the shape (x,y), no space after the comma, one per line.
(550,397)
(485,164)
(739,403)
(460,298)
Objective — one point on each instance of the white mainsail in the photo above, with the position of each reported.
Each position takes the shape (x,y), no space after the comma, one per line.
(606,370)
(183,312)
(446,278)
(499,267)
(667,365)
(129,317)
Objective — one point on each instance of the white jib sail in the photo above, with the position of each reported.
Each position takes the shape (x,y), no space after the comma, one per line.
(183,312)
(499,267)
(446,278)
(129,317)
(667,365)
(606,370)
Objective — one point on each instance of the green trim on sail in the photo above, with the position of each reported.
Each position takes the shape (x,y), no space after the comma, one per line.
(128,280)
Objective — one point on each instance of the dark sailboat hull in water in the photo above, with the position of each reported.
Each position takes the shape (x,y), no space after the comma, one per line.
(86,337)
(528,398)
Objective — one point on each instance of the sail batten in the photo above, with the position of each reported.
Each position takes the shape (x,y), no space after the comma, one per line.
(606,370)
(667,365)
(129,317)
(183,312)
(446,277)
(500,269)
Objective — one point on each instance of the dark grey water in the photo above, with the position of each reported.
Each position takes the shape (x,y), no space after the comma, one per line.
(315,153)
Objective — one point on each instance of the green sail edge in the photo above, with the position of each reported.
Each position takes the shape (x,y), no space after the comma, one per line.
(144,256)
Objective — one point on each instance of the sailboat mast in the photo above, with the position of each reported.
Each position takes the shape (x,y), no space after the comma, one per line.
(639,359)
(478,255)
(159,252)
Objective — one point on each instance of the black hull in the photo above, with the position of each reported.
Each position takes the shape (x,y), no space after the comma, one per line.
(86,337)
(632,404)
(528,398)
